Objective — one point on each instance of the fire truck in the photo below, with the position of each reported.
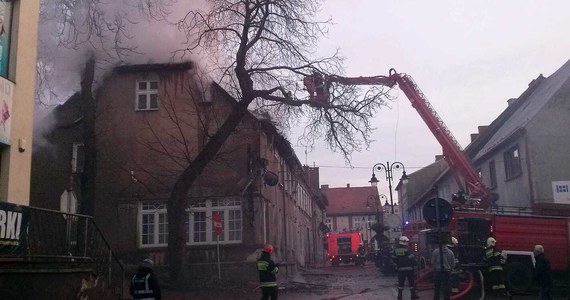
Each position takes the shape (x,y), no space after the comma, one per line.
(344,248)
(473,220)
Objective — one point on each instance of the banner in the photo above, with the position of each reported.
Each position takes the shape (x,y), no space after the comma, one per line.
(13,228)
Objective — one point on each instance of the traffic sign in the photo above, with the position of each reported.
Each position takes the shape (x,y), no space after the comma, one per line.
(217,224)
(445,212)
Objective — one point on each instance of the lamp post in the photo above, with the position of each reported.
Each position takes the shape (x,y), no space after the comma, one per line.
(388,170)
(378,202)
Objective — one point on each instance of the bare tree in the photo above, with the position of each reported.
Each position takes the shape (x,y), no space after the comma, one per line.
(263,49)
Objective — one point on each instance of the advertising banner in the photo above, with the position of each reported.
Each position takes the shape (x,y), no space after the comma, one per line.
(6,95)
(13,228)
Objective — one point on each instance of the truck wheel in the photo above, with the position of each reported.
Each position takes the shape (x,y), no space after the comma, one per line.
(335,263)
(518,277)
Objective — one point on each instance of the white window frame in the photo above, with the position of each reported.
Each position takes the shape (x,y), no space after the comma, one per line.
(226,206)
(148,92)
(75,166)
(155,211)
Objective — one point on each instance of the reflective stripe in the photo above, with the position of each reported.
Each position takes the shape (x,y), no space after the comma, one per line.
(268,284)
(495,268)
(405,268)
(262,265)
(275,270)
(147,291)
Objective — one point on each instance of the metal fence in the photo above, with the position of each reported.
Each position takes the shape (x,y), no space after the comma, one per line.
(62,237)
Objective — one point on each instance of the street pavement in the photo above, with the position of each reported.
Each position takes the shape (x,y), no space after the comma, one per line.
(346,282)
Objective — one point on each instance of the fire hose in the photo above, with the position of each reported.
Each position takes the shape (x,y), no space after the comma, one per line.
(465,286)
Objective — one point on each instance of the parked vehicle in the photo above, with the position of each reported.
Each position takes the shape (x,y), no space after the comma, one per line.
(343,248)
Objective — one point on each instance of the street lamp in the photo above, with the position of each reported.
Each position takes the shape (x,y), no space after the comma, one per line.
(388,169)
(378,201)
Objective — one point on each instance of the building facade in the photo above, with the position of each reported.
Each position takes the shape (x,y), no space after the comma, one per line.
(150,122)
(521,155)
(353,209)
(18,46)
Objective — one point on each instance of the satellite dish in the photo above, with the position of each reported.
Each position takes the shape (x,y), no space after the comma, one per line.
(393,220)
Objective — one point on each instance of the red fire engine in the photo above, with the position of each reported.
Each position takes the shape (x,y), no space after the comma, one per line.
(473,220)
(343,248)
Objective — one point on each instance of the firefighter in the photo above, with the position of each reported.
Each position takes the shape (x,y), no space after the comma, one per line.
(456,271)
(495,263)
(267,273)
(405,263)
(144,284)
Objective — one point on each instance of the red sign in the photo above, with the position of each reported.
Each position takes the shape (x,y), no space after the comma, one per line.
(217,224)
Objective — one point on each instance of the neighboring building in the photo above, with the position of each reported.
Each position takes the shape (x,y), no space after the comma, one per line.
(18,46)
(522,155)
(353,209)
(151,120)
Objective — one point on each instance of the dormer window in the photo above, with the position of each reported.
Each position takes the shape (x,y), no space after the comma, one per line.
(147,95)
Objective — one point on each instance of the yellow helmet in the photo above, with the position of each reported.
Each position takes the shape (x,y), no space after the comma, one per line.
(491,242)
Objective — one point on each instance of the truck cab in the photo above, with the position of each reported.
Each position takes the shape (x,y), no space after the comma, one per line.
(343,248)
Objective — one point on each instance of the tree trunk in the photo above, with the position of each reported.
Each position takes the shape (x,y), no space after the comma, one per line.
(178,201)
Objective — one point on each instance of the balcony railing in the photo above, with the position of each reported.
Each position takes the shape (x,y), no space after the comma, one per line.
(56,236)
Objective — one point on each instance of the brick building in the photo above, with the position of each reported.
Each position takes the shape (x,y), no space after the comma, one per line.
(149,122)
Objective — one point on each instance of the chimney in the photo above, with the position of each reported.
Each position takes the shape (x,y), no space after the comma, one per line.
(482,129)
(324,186)
(348,185)
(439,157)
(474,136)
(511,101)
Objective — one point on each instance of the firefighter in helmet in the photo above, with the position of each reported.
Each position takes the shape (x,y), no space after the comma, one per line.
(405,263)
(267,273)
(144,284)
(495,266)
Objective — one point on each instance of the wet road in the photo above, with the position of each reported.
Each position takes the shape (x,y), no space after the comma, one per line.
(350,283)
(345,282)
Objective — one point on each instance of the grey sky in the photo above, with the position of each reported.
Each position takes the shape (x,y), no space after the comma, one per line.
(468,57)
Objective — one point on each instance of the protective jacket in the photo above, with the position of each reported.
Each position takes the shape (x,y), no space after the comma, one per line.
(404,258)
(493,258)
(267,270)
(144,285)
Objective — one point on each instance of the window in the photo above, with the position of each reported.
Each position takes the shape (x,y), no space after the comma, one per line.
(147,95)
(200,229)
(5,32)
(492,174)
(358,223)
(78,158)
(512,163)
(328,222)
(153,224)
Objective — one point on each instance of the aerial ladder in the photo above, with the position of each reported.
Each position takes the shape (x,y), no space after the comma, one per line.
(473,191)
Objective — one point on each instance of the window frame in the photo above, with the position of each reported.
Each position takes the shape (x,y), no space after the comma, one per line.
(512,161)
(148,92)
(78,158)
(492,174)
(155,209)
(226,206)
